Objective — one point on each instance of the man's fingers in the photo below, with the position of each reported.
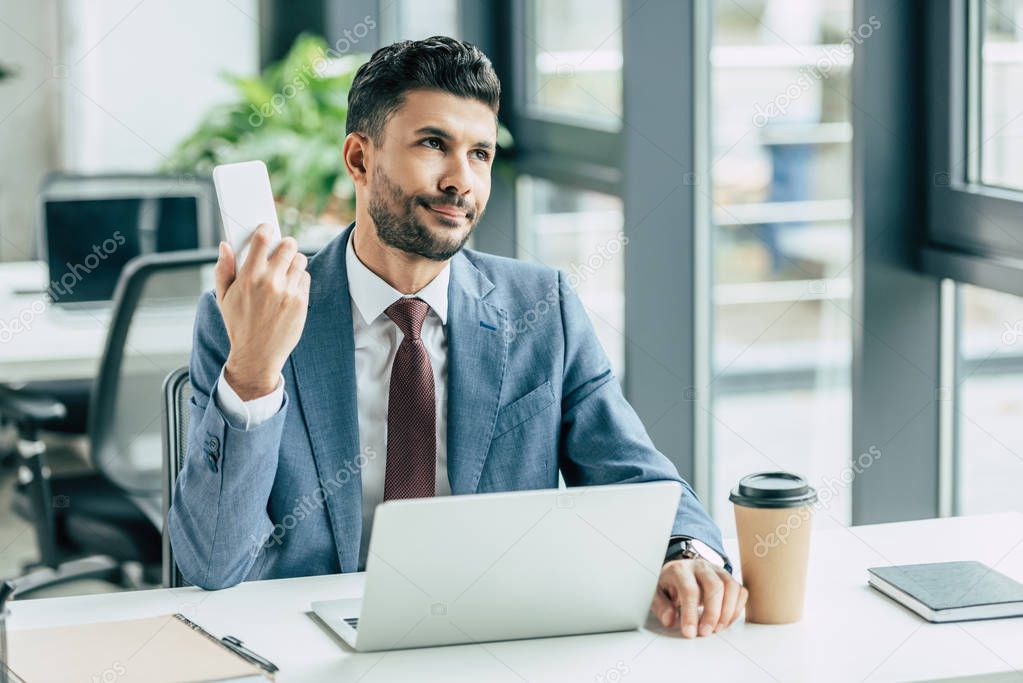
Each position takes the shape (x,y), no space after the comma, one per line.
(729,603)
(713,589)
(689,603)
(298,264)
(297,274)
(663,608)
(707,597)
(283,255)
(259,247)
(741,605)
(224,270)
(298,277)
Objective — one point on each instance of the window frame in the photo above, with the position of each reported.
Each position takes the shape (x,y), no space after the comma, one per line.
(572,141)
(974,232)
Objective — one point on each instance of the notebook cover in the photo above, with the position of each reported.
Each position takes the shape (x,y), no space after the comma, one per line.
(151,650)
(951,585)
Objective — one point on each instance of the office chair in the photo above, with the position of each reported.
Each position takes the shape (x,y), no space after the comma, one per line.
(73,394)
(108,523)
(177,393)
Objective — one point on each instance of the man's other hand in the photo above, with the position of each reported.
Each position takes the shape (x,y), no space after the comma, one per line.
(706,597)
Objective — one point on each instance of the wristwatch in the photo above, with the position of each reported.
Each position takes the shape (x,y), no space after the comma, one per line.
(680,548)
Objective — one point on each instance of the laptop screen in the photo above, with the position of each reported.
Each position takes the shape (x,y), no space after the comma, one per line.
(90,240)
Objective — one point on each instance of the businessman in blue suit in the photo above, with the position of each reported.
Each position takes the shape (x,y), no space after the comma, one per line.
(392,364)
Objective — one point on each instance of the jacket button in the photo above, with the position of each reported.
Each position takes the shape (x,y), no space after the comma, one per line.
(213,451)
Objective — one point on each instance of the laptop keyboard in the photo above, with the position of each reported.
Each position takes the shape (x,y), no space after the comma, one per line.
(352,621)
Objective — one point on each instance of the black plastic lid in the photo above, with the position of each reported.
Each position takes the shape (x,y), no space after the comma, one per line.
(773,490)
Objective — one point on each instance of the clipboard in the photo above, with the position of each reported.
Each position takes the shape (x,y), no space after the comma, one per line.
(166,648)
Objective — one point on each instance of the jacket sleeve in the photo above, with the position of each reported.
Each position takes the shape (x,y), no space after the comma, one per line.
(602,440)
(218,521)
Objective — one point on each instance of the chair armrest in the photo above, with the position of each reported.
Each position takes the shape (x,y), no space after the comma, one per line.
(29,409)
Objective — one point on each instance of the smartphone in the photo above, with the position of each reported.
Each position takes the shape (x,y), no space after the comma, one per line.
(246,201)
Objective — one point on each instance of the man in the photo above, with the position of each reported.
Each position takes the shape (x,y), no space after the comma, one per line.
(382,368)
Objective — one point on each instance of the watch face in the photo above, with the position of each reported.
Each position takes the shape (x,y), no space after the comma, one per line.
(684,550)
(681,550)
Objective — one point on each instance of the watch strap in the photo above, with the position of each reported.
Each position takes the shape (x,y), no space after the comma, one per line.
(680,548)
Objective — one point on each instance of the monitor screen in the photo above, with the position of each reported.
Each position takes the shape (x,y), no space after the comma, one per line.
(88,241)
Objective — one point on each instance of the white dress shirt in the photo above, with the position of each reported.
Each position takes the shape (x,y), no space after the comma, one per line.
(376,342)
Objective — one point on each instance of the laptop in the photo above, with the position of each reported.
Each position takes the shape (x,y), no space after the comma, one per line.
(91,226)
(506,566)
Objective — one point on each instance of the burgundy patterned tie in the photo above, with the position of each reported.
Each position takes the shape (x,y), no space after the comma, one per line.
(411,409)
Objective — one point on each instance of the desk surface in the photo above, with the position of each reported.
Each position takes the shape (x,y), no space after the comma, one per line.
(41,341)
(849,632)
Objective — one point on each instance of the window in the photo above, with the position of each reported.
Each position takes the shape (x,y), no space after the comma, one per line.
(975,239)
(580,233)
(990,403)
(415,20)
(781,208)
(565,92)
(576,60)
(1000,119)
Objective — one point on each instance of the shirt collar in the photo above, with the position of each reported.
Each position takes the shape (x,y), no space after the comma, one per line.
(372,295)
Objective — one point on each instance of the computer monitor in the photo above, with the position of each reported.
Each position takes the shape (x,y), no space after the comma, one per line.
(90,226)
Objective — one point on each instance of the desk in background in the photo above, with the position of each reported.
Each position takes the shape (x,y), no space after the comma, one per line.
(849,633)
(67,344)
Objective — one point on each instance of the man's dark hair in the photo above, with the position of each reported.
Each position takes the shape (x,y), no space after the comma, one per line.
(437,63)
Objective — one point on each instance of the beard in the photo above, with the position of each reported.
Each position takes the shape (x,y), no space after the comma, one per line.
(394,213)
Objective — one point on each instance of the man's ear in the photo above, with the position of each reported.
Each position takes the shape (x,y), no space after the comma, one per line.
(355,151)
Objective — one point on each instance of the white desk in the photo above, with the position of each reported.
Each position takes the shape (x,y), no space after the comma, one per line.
(850,633)
(39,341)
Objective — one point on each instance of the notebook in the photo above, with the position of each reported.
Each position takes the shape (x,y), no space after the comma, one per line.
(950,591)
(152,650)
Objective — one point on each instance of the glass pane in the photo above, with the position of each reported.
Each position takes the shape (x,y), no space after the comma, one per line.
(580,233)
(416,19)
(781,210)
(575,69)
(1001,106)
(990,403)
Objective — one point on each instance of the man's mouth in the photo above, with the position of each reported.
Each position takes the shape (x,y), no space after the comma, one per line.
(447,211)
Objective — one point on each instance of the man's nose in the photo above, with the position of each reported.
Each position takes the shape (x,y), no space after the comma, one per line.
(457,178)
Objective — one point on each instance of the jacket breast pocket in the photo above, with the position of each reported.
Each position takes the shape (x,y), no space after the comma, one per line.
(523,408)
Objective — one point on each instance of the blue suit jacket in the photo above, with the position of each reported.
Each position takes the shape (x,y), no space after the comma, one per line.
(530,391)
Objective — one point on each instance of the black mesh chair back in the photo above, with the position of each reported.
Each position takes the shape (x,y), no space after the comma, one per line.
(177,394)
(149,336)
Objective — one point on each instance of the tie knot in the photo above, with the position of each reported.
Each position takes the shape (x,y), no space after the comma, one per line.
(408,314)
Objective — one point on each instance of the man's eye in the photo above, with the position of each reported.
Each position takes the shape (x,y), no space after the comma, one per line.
(482,155)
(433,143)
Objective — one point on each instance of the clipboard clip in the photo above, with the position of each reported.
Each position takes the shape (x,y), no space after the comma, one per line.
(245,653)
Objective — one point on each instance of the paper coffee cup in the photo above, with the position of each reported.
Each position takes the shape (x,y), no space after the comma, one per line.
(773,515)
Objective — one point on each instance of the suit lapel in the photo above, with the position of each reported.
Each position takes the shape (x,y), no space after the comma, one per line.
(324,365)
(477,354)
